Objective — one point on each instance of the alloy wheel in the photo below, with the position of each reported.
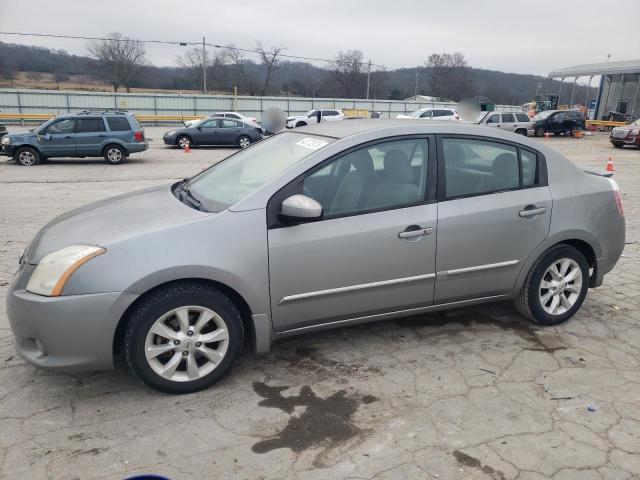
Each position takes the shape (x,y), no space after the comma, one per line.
(244,142)
(560,286)
(186,343)
(27,158)
(184,142)
(114,155)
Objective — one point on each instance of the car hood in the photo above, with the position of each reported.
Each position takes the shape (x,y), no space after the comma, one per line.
(112,220)
(20,136)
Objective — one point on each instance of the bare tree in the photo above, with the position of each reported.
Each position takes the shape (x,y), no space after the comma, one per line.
(348,72)
(270,61)
(449,76)
(191,63)
(238,69)
(121,59)
(33,77)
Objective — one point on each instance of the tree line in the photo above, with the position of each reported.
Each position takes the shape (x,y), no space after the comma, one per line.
(121,62)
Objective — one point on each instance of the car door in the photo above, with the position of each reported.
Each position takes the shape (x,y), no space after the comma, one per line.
(372,252)
(509,122)
(555,123)
(493,120)
(208,133)
(57,140)
(494,210)
(229,131)
(90,135)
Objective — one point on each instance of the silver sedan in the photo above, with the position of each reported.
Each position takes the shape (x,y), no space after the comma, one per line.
(324,226)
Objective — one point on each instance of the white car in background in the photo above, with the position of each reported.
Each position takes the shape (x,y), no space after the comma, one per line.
(311,117)
(429,113)
(235,115)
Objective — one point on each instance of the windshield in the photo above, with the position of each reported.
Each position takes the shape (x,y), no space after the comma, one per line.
(248,170)
(417,113)
(543,115)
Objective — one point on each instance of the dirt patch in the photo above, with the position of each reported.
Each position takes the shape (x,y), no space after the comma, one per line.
(472,462)
(326,422)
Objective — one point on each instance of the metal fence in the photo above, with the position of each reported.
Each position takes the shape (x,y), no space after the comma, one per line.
(58,102)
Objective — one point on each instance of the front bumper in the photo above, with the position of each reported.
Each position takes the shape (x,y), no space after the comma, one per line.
(169,139)
(7,150)
(628,140)
(68,333)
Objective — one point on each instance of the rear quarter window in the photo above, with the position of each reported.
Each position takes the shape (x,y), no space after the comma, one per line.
(118,124)
(522,117)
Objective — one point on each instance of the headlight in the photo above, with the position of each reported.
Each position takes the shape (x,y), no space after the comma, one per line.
(55,269)
(5,141)
(635,131)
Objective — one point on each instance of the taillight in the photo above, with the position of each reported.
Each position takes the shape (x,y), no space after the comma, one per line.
(616,195)
(139,135)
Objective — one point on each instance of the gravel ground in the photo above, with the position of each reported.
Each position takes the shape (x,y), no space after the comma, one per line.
(474,393)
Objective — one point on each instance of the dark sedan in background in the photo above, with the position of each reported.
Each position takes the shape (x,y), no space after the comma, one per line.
(214,131)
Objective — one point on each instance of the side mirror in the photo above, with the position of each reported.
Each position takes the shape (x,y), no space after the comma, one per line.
(301,207)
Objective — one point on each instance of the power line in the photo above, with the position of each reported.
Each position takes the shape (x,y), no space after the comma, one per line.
(184,44)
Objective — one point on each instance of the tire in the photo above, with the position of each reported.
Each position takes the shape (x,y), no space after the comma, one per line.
(536,302)
(183,141)
(521,131)
(538,132)
(244,141)
(114,154)
(301,124)
(160,309)
(27,157)
(617,146)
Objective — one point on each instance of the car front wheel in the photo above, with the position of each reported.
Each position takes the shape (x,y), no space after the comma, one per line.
(555,287)
(183,142)
(183,338)
(27,156)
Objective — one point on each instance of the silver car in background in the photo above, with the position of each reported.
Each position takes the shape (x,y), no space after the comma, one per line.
(516,122)
(320,227)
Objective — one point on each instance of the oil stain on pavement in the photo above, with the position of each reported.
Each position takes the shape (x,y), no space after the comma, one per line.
(324,422)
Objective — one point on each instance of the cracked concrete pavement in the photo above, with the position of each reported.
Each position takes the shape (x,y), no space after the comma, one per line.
(474,393)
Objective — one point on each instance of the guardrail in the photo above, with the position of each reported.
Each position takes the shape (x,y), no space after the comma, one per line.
(43,117)
(605,123)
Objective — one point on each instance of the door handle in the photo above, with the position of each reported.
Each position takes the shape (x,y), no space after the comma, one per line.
(530,211)
(415,231)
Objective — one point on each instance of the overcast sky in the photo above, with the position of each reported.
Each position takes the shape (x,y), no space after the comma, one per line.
(507,35)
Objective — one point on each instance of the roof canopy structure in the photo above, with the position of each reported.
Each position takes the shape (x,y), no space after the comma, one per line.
(605,68)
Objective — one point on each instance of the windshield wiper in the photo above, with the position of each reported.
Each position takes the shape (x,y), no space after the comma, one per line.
(185,196)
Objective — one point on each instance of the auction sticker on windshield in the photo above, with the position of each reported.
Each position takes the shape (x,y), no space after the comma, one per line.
(311,143)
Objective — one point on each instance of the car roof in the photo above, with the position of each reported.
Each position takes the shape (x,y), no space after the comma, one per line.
(349,127)
(95,113)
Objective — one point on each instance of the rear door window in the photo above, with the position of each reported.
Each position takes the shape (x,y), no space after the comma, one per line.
(89,125)
(508,117)
(118,124)
(229,124)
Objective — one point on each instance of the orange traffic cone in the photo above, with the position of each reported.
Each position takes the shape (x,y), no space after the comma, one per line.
(610,167)
(187,148)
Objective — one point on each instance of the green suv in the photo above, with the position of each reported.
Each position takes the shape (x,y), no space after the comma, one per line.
(112,135)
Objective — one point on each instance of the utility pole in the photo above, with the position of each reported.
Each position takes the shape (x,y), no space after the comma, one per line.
(204,67)
(415,90)
(368,78)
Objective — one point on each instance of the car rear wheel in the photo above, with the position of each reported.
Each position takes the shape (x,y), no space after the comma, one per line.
(555,287)
(522,131)
(183,142)
(114,154)
(27,157)
(301,124)
(538,132)
(183,338)
(244,141)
